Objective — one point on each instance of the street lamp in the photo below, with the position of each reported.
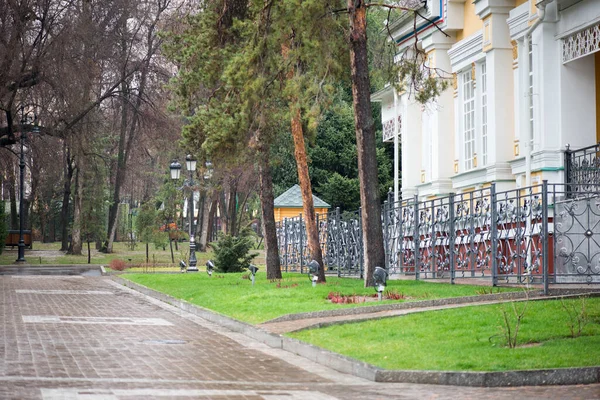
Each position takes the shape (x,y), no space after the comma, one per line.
(175,168)
(21,245)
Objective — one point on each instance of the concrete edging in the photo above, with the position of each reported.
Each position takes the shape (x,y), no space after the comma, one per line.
(406,306)
(340,363)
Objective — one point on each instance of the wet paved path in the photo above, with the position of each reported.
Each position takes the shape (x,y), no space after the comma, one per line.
(89,338)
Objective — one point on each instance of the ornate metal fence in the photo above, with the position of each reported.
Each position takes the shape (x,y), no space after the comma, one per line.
(582,169)
(293,249)
(540,234)
(576,235)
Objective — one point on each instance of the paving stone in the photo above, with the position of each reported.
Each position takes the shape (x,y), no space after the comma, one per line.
(188,358)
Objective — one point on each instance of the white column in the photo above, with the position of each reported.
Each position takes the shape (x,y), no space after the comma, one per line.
(500,97)
(441,120)
(411,145)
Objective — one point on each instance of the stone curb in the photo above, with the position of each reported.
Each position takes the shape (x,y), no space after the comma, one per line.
(75,268)
(533,295)
(340,363)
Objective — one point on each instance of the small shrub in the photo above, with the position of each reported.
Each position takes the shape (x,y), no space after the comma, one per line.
(232,253)
(161,240)
(578,316)
(511,324)
(338,298)
(280,286)
(393,295)
(484,291)
(117,265)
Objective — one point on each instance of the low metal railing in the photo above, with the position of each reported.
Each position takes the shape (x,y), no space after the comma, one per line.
(548,233)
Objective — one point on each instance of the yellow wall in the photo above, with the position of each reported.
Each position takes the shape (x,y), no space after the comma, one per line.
(597,69)
(281,213)
(472,21)
(519,2)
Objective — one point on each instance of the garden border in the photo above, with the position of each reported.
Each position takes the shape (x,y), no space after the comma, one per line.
(340,363)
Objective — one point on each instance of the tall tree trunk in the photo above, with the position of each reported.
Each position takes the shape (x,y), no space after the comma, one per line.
(223,212)
(232,208)
(64,211)
(12,189)
(44,225)
(267,201)
(365,141)
(113,211)
(314,247)
(242,205)
(76,243)
(211,218)
(203,225)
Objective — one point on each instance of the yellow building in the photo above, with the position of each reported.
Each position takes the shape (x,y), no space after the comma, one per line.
(289,204)
(525,90)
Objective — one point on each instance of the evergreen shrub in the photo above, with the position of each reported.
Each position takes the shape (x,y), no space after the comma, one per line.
(232,253)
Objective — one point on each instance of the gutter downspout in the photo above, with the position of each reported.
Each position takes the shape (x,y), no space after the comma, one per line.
(541,6)
(396,148)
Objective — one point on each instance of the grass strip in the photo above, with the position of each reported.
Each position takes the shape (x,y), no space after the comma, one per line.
(234,295)
(470,339)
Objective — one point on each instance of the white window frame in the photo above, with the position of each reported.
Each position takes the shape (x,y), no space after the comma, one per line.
(467,117)
(483,108)
(529,82)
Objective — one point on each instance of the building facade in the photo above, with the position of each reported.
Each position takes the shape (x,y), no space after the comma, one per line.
(290,204)
(525,85)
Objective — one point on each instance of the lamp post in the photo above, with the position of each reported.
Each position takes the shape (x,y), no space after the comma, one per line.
(21,245)
(175,168)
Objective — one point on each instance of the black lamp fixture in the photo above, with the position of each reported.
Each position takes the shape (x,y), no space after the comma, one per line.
(175,168)
(380,279)
(253,270)
(210,266)
(23,137)
(313,270)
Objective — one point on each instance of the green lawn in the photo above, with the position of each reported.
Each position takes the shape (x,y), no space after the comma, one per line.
(232,295)
(40,255)
(468,339)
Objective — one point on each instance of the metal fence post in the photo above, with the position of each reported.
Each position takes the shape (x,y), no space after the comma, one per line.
(416,237)
(432,242)
(545,236)
(568,169)
(285,241)
(386,224)
(361,243)
(319,237)
(338,246)
(451,236)
(398,217)
(494,235)
(301,243)
(472,257)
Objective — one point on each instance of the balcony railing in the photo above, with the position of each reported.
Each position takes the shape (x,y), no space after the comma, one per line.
(582,168)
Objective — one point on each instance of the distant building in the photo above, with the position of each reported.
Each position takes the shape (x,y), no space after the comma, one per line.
(289,204)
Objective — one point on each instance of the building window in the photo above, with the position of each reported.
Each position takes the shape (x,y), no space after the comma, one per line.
(390,128)
(468,108)
(484,133)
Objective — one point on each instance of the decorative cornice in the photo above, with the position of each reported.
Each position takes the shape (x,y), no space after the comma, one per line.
(518,20)
(483,8)
(463,51)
